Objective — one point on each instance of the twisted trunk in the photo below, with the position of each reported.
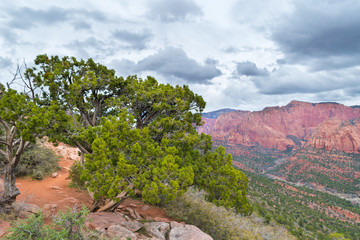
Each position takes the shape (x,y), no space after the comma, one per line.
(8,196)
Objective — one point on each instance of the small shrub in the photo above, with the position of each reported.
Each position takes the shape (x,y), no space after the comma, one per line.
(37,161)
(31,228)
(68,225)
(74,174)
(220,223)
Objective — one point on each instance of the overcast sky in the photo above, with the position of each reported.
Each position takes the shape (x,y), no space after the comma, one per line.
(235,53)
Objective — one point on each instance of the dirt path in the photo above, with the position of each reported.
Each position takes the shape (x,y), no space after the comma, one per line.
(54,190)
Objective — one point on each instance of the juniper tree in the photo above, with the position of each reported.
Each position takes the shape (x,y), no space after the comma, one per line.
(21,122)
(137,135)
(82,89)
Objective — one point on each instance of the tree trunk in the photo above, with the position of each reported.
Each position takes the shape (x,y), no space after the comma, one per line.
(8,196)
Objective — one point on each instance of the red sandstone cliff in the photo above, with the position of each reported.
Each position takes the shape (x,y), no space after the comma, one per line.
(271,127)
(337,134)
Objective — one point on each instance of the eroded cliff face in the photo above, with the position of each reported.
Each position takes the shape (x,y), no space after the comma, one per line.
(337,134)
(284,127)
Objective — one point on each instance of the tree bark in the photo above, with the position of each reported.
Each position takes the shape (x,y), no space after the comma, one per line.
(8,196)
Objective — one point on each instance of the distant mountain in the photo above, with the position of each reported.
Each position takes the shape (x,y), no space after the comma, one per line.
(302,160)
(283,128)
(312,143)
(217,113)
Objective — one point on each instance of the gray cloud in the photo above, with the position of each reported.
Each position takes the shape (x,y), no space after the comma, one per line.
(290,80)
(9,36)
(173,62)
(25,17)
(250,69)
(135,40)
(5,62)
(173,10)
(91,48)
(323,30)
(231,49)
(82,25)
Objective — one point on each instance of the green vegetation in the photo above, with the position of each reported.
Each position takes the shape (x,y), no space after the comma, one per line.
(306,213)
(221,223)
(334,169)
(22,120)
(138,136)
(37,162)
(69,225)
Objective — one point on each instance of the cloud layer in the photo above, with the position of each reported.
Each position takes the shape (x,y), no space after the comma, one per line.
(236,53)
(173,62)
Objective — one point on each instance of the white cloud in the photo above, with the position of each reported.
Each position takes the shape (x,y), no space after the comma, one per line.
(226,51)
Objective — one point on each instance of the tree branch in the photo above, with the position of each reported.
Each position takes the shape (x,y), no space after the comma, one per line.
(82,149)
(6,126)
(2,152)
(16,142)
(23,145)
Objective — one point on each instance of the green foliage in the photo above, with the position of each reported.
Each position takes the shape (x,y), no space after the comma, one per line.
(128,159)
(74,174)
(30,120)
(125,159)
(292,208)
(31,228)
(37,161)
(138,135)
(219,222)
(83,89)
(22,121)
(69,225)
(224,185)
(337,236)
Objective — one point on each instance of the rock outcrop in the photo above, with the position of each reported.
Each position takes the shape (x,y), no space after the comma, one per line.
(119,226)
(276,127)
(337,134)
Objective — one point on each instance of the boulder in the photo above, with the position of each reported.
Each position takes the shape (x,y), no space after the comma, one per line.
(188,232)
(157,229)
(22,206)
(132,225)
(120,232)
(100,220)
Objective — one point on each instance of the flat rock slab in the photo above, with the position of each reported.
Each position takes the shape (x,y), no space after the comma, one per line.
(157,229)
(104,219)
(120,233)
(188,232)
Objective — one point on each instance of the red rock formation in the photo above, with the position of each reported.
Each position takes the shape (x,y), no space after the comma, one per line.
(271,126)
(337,134)
(207,125)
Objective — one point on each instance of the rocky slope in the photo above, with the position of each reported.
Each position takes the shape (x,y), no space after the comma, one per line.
(288,127)
(337,134)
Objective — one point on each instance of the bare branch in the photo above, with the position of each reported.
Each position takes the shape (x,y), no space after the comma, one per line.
(2,152)
(4,142)
(82,149)
(17,141)
(23,145)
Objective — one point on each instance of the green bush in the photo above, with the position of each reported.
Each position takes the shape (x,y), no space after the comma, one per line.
(68,225)
(220,223)
(74,174)
(37,161)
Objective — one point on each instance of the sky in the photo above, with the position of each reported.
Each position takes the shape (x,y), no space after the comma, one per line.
(235,53)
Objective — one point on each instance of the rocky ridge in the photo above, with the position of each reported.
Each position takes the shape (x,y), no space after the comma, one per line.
(285,127)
